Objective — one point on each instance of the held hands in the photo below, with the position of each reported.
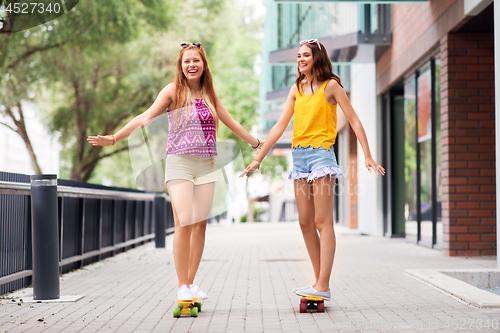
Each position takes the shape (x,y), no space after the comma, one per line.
(255,164)
(250,168)
(261,144)
(372,165)
(102,140)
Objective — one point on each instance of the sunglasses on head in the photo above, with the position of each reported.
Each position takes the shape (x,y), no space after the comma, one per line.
(184,45)
(310,41)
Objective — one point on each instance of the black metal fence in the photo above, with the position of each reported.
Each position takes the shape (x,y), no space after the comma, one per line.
(95,222)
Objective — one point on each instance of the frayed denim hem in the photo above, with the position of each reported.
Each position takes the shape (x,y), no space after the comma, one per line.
(332,171)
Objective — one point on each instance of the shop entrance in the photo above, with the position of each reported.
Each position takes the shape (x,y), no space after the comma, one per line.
(412,151)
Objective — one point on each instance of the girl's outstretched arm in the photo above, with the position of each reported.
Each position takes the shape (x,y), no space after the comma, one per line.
(275,133)
(333,88)
(235,126)
(162,102)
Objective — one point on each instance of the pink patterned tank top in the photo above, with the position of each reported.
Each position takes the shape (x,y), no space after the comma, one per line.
(195,136)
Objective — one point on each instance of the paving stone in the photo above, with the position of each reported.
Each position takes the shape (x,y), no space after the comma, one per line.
(249,271)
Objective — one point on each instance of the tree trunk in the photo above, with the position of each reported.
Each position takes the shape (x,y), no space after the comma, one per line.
(81,130)
(21,130)
(81,170)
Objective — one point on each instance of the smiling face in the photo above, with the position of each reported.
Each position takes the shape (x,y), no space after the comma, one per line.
(192,65)
(305,59)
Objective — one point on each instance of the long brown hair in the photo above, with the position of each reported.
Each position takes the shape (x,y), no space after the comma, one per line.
(322,67)
(183,97)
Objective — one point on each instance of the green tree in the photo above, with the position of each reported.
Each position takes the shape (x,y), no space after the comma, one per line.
(13,90)
(100,82)
(20,74)
(39,53)
(105,87)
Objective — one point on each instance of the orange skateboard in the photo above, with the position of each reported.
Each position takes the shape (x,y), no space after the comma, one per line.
(311,303)
(187,307)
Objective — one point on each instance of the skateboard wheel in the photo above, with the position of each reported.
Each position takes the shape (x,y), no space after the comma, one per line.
(177,313)
(194,312)
(303,307)
(180,306)
(303,300)
(198,305)
(311,305)
(321,307)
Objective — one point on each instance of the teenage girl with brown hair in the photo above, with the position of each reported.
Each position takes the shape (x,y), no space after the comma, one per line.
(313,102)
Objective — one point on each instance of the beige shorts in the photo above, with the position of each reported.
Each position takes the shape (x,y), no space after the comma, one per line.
(197,169)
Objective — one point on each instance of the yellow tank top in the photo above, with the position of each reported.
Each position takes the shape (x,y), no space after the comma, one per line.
(314,120)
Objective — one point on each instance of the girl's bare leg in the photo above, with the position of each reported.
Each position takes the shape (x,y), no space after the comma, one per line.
(202,204)
(181,193)
(323,196)
(306,210)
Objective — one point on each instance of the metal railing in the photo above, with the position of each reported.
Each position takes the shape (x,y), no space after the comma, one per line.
(289,211)
(94,222)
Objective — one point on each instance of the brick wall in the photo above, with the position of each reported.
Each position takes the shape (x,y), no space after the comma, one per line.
(468,144)
(416,30)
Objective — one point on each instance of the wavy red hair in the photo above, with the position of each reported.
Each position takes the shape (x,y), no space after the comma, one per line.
(183,95)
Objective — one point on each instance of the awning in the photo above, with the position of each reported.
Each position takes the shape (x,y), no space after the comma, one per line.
(354,47)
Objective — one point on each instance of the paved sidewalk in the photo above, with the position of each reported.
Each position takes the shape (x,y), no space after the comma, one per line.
(248,271)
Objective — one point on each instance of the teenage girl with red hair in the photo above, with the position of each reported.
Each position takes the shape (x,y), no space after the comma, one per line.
(193,110)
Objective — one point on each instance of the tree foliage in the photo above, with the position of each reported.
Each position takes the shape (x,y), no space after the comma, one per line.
(104,62)
(69,53)
(236,49)
(100,90)
(101,75)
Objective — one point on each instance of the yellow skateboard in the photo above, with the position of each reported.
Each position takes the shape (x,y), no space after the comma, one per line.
(311,303)
(187,307)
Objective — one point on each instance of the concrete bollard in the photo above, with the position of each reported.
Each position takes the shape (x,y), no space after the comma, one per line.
(159,219)
(44,235)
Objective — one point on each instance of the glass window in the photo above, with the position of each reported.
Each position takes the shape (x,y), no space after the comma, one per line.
(304,21)
(423,156)
(439,191)
(283,76)
(410,159)
(424,127)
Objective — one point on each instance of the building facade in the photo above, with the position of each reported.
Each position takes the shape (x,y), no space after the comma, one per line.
(421,78)
(436,86)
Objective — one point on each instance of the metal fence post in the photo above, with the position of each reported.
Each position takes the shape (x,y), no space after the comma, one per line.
(159,219)
(44,236)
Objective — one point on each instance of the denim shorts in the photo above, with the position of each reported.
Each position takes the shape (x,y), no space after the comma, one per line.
(313,163)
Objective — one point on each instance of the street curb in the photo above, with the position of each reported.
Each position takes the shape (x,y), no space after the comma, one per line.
(462,290)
